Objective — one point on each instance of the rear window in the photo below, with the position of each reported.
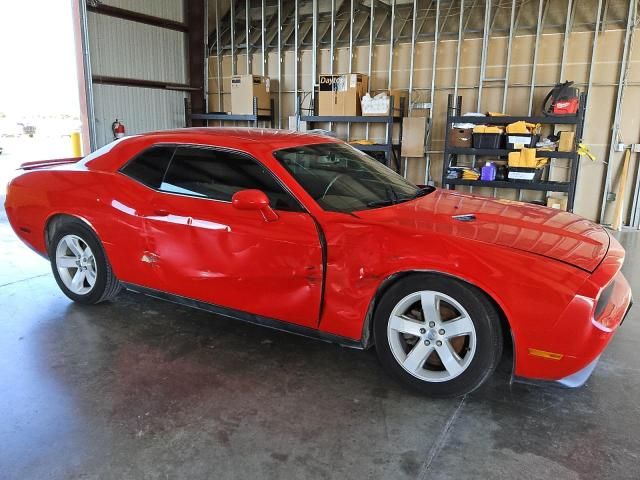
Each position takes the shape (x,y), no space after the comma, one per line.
(150,166)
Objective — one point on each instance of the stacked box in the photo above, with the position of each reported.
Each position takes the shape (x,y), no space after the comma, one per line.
(244,88)
(340,95)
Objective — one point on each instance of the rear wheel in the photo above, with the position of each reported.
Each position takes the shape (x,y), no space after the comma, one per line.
(80,266)
(438,335)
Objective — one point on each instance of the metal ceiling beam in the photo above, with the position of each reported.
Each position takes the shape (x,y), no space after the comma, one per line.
(343,28)
(539,27)
(383,5)
(218,58)
(405,20)
(485,47)
(446,17)
(458,52)
(234,58)
(263,36)
(372,12)
(603,20)
(426,17)
(276,25)
(280,61)
(594,49)
(473,6)
(288,33)
(565,39)
(413,53)
(382,23)
(393,19)
(403,14)
(98,7)
(296,62)
(247,26)
(314,51)
(512,24)
(365,21)
(325,33)
(432,94)
(309,30)
(332,30)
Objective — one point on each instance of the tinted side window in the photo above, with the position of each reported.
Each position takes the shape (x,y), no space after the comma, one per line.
(218,175)
(149,166)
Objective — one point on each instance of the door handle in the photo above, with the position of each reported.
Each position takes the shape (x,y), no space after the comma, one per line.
(160,212)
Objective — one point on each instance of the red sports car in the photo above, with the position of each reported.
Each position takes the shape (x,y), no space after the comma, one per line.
(306,234)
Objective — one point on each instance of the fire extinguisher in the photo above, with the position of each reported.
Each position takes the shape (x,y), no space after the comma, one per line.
(118,129)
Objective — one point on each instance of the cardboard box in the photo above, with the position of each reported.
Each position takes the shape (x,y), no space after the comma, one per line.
(244,88)
(212,86)
(559,203)
(212,67)
(293,123)
(566,142)
(340,95)
(212,103)
(414,130)
(399,96)
(460,137)
(379,108)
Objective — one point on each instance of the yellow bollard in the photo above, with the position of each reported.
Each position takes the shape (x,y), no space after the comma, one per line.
(76,144)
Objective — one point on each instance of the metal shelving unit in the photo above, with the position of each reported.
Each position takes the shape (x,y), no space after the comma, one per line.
(454,115)
(226,117)
(390,149)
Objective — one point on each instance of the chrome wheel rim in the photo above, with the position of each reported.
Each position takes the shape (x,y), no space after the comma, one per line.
(431,336)
(76,264)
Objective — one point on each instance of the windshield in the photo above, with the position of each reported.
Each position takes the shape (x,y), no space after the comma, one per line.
(343,179)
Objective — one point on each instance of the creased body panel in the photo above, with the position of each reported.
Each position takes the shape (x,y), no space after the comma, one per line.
(532,290)
(212,252)
(551,233)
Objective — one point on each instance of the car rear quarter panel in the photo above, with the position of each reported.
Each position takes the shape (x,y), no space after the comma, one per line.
(36,197)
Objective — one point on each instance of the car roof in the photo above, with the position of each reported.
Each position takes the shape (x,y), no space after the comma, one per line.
(111,156)
(265,136)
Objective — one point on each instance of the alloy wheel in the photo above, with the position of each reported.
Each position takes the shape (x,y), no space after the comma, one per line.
(431,336)
(76,264)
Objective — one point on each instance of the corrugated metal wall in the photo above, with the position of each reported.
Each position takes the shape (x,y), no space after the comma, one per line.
(169,9)
(128,49)
(121,48)
(141,109)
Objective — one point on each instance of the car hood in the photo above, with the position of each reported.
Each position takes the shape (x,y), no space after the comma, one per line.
(544,231)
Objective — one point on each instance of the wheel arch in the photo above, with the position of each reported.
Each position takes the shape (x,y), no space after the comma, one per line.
(55,220)
(367,329)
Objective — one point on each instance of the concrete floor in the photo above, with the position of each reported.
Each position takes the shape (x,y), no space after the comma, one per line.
(139,388)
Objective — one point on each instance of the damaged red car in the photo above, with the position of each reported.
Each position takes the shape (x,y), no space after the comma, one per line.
(304,233)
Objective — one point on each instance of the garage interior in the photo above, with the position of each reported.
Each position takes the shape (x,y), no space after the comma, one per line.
(139,388)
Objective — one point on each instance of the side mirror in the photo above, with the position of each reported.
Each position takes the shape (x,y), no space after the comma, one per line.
(254,200)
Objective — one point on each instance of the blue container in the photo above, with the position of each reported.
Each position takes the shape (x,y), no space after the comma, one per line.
(488,173)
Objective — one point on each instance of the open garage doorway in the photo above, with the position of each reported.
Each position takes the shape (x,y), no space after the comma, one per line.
(39,95)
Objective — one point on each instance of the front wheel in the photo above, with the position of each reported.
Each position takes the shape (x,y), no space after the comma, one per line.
(80,265)
(438,335)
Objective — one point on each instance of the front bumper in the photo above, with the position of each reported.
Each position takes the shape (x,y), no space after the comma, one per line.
(568,351)
(580,377)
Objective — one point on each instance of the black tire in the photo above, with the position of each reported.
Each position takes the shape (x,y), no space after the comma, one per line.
(486,322)
(106,285)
